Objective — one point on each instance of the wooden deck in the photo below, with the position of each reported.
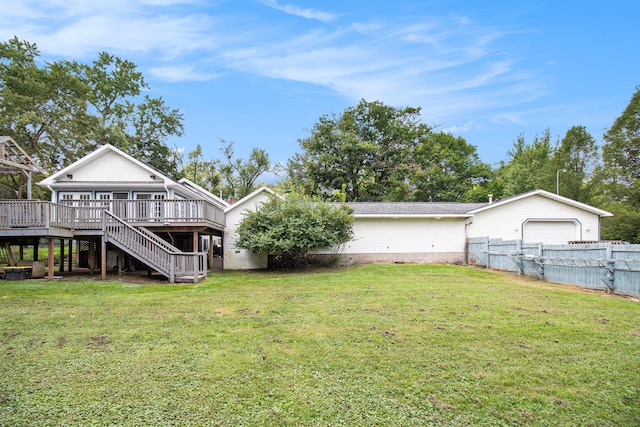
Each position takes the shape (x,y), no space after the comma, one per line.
(36,218)
(126,224)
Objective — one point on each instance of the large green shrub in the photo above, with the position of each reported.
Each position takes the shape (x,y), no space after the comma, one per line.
(291,228)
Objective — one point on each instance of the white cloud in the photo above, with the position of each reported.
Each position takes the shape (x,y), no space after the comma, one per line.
(456,130)
(77,28)
(447,65)
(302,13)
(182,73)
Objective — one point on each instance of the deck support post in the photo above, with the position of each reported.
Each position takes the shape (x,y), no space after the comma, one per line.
(61,255)
(91,256)
(195,241)
(120,261)
(103,257)
(51,266)
(36,244)
(70,266)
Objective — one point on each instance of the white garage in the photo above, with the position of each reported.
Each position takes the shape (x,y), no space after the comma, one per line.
(436,232)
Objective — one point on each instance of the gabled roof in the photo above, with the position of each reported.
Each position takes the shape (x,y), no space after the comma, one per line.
(96,154)
(414,209)
(546,194)
(204,193)
(248,197)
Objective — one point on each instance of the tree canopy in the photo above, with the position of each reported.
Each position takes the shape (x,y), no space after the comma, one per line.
(620,187)
(375,152)
(59,111)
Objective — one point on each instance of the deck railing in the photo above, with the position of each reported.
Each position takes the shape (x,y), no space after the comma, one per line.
(34,214)
(87,214)
(153,251)
(167,212)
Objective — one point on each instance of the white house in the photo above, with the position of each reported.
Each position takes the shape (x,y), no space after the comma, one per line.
(182,213)
(437,232)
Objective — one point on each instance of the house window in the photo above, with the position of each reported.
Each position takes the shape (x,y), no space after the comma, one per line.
(68,197)
(104,200)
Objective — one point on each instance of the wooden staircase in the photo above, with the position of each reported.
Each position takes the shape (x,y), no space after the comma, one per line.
(155,252)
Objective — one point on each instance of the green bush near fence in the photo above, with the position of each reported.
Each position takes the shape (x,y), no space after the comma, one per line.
(388,345)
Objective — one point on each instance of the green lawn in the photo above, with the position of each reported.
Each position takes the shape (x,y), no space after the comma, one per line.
(372,345)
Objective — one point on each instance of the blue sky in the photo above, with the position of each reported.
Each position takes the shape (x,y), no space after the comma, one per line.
(261,72)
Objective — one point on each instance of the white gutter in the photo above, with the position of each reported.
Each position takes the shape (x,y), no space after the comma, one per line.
(398,216)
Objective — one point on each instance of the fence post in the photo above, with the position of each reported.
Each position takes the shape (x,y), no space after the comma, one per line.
(485,249)
(541,257)
(610,266)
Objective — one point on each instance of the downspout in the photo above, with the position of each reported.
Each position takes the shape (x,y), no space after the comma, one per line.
(467,223)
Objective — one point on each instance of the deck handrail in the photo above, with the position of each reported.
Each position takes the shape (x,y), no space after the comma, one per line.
(34,214)
(161,212)
(86,214)
(152,250)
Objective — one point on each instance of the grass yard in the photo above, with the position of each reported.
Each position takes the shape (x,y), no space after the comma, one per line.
(387,345)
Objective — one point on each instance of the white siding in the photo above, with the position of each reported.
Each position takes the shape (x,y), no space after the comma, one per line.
(412,235)
(411,240)
(236,258)
(507,221)
(111,167)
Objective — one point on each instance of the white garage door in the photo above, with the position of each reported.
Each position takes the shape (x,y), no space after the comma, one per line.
(552,232)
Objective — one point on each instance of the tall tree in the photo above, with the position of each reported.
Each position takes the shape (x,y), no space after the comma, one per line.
(365,152)
(241,176)
(62,110)
(576,154)
(621,158)
(201,171)
(528,167)
(140,128)
(446,169)
(43,108)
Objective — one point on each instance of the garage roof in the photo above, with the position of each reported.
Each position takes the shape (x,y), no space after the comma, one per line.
(414,208)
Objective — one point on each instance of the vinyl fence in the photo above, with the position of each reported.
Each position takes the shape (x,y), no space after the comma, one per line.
(604,265)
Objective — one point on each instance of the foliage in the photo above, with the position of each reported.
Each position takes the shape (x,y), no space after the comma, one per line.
(621,153)
(375,345)
(140,128)
(291,228)
(375,152)
(624,225)
(446,169)
(202,172)
(62,110)
(621,181)
(42,108)
(240,176)
(528,167)
(366,149)
(576,157)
